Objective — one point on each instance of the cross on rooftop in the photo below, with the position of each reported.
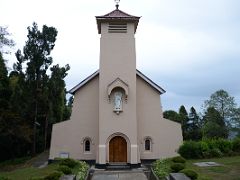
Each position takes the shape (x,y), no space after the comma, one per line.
(117,3)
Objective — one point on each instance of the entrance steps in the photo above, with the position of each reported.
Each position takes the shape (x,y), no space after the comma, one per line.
(118,166)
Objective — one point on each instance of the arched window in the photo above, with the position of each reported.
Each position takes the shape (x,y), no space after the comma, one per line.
(147,145)
(87,146)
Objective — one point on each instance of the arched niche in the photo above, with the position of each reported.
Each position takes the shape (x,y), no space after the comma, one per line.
(117,84)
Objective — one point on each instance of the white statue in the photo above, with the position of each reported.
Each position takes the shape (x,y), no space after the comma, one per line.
(117,101)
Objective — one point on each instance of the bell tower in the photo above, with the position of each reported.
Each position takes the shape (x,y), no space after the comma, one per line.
(117,87)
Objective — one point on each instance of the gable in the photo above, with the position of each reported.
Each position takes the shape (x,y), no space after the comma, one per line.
(138,73)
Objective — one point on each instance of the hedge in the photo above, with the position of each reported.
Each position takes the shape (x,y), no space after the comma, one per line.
(209,148)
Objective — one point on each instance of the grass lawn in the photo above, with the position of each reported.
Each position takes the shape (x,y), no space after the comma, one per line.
(23,169)
(230,169)
(25,173)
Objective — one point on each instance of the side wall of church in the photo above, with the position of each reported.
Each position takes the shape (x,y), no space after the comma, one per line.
(69,136)
(165,135)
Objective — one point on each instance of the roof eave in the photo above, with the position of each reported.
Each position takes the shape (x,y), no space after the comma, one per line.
(83,82)
(139,73)
(149,81)
(102,19)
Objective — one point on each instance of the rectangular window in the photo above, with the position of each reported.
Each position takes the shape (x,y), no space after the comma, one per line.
(117,28)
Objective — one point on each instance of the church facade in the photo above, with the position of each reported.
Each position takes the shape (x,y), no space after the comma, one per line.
(117,114)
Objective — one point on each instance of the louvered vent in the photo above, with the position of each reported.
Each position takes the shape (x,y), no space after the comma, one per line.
(117,28)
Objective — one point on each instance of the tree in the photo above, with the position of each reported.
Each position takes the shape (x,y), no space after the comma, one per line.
(214,125)
(4,39)
(172,115)
(4,84)
(184,120)
(32,100)
(224,104)
(37,54)
(68,108)
(193,126)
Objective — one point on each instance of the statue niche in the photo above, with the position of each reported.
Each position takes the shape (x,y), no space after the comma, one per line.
(117,94)
(118,101)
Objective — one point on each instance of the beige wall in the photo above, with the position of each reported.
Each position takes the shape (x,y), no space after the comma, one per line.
(68,136)
(166,135)
(117,60)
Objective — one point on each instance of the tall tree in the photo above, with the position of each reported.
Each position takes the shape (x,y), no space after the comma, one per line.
(194,126)
(37,54)
(214,126)
(224,104)
(183,114)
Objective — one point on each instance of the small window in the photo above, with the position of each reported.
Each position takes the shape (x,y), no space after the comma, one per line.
(147,145)
(87,146)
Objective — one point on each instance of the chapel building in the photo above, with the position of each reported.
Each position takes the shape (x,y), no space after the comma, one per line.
(117,114)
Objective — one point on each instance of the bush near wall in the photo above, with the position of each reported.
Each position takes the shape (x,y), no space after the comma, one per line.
(163,167)
(209,148)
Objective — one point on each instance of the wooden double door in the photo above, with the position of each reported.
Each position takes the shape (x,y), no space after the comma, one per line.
(118,150)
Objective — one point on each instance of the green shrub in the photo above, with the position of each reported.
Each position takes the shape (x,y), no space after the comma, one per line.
(178,159)
(69,162)
(53,176)
(176,167)
(190,149)
(162,168)
(215,152)
(190,173)
(64,169)
(225,146)
(82,170)
(204,146)
(236,145)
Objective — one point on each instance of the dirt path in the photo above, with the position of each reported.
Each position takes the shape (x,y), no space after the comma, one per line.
(39,161)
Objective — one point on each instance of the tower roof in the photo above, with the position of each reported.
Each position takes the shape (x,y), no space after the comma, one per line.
(117,16)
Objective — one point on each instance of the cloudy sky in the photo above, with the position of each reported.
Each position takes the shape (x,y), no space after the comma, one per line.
(191,48)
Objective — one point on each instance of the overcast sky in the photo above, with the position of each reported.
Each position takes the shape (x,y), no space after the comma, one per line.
(191,48)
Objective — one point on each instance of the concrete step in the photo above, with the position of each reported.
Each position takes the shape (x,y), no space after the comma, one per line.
(117,166)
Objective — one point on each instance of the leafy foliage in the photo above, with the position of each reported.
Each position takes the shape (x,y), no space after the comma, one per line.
(214,126)
(190,149)
(236,145)
(178,159)
(5,41)
(224,104)
(209,148)
(176,167)
(71,163)
(31,100)
(172,115)
(82,170)
(162,168)
(64,169)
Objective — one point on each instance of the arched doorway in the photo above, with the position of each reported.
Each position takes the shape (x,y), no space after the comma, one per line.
(118,149)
